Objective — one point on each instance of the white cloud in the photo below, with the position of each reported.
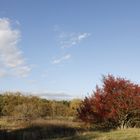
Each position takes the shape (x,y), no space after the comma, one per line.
(82,36)
(63,58)
(68,40)
(52,95)
(11,57)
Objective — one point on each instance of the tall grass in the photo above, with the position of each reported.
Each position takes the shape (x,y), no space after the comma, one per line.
(60,130)
(41,129)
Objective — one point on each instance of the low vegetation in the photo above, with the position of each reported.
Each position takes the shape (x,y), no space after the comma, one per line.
(40,129)
(125,134)
(63,130)
(20,107)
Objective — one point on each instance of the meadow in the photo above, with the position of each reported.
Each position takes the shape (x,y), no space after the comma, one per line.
(42,129)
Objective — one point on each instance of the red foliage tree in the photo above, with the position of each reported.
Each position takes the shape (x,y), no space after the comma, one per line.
(114,105)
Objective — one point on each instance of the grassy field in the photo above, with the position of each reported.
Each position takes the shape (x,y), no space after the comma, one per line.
(60,130)
(127,134)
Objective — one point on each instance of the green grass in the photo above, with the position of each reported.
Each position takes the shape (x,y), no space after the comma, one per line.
(126,134)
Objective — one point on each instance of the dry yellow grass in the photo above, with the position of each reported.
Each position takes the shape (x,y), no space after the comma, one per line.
(63,130)
(126,134)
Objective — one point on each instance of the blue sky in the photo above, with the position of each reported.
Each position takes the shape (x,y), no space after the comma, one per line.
(61,48)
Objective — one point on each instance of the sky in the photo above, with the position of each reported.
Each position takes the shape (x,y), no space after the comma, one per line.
(60,49)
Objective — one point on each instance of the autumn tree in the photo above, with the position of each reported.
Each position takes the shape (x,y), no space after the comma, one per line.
(10,100)
(113,105)
(32,107)
(1,105)
(74,105)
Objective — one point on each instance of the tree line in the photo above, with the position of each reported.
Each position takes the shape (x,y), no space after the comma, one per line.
(19,106)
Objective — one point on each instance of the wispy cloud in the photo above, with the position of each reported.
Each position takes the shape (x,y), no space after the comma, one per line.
(3,73)
(52,95)
(61,59)
(11,57)
(68,40)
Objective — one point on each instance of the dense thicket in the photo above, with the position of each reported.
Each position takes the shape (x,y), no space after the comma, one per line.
(19,106)
(115,104)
